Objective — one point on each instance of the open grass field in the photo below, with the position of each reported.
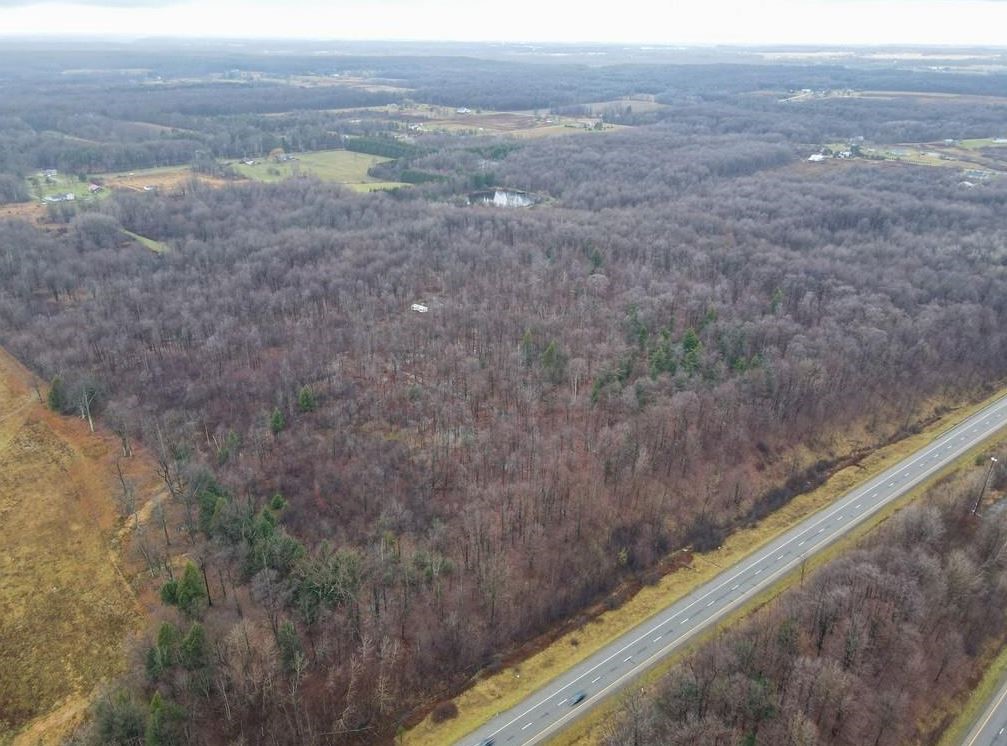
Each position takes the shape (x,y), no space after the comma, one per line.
(934,96)
(964,155)
(30,211)
(66,608)
(340,166)
(984,142)
(492,694)
(149,243)
(517,124)
(554,130)
(165,179)
(923,155)
(48,186)
(423,119)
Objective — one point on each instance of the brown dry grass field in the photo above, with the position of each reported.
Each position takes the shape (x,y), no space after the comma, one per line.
(934,96)
(512,123)
(30,211)
(168,179)
(66,606)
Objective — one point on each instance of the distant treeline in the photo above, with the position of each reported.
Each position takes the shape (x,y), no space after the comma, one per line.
(141,111)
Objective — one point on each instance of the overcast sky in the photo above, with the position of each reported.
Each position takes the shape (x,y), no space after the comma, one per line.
(958,22)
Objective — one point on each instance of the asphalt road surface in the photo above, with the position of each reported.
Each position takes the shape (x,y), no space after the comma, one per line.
(991,728)
(553,706)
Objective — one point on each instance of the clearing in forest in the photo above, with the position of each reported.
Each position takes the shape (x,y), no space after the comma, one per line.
(345,167)
(977,159)
(164,179)
(516,124)
(66,608)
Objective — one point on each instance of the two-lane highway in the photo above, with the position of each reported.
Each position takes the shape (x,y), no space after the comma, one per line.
(572,693)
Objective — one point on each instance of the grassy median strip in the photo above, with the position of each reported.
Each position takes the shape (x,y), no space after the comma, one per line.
(503,690)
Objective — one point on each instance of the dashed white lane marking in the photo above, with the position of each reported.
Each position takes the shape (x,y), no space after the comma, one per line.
(658,638)
(525,726)
(596,679)
(627,660)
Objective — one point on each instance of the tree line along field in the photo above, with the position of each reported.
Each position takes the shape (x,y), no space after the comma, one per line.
(374,503)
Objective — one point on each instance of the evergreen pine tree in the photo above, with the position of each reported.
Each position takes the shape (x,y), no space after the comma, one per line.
(277,422)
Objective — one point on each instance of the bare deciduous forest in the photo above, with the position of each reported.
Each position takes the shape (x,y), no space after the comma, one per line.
(691,327)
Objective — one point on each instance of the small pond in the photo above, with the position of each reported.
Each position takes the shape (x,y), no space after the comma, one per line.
(503,198)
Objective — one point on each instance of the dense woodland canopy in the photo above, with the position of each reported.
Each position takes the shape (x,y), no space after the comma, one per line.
(871,650)
(693,325)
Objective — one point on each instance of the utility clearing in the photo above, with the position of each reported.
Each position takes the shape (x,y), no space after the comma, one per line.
(66,606)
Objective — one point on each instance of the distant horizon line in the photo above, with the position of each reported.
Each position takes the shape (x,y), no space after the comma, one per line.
(666,46)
